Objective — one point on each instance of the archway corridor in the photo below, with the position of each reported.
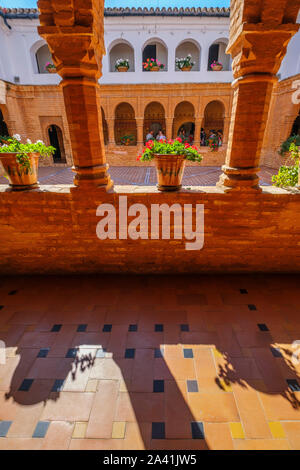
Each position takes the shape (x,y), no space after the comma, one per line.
(145,362)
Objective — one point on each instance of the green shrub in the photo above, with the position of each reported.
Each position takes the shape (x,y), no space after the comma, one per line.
(285,146)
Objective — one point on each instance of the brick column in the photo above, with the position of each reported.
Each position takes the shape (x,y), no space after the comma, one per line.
(198,125)
(75,39)
(111,131)
(259,35)
(169,128)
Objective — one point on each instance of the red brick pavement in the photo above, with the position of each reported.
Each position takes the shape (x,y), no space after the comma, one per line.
(122,175)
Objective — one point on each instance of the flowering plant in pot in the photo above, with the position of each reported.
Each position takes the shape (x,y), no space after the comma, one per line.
(185,64)
(169,157)
(20,161)
(153,65)
(213,143)
(216,66)
(122,65)
(50,67)
(127,139)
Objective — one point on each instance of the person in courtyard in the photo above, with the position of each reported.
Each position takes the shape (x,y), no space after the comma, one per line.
(160,136)
(203,137)
(220,137)
(150,135)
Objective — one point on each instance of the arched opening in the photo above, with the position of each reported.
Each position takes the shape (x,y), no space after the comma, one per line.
(184,121)
(56,140)
(121,50)
(3,126)
(217,52)
(154,119)
(296,126)
(156,50)
(186,48)
(214,119)
(104,127)
(125,125)
(43,56)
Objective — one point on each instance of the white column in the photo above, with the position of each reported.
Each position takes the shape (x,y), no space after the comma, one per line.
(204,56)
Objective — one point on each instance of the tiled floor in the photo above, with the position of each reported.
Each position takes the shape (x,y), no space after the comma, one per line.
(122,175)
(185,362)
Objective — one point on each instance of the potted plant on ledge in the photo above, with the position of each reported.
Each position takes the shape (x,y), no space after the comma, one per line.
(153,65)
(216,66)
(50,68)
(185,64)
(122,65)
(169,157)
(127,139)
(20,161)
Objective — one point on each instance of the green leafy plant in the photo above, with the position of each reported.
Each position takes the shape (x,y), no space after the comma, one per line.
(127,139)
(170,147)
(285,146)
(288,175)
(150,63)
(184,62)
(122,63)
(14,145)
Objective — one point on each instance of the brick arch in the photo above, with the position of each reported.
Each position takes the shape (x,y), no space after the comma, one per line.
(214,115)
(125,122)
(55,133)
(184,112)
(154,117)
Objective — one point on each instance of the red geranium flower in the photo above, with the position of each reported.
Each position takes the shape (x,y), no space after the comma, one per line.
(186,145)
(179,139)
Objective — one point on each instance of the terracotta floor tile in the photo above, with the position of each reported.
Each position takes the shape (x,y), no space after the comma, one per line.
(58,436)
(261,444)
(50,368)
(213,407)
(96,444)
(218,437)
(281,407)
(69,406)
(142,377)
(292,431)
(103,410)
(182,368)
(178,416)
(137,436)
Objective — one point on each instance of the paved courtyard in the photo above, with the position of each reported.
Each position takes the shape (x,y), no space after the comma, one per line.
(138,175)
(121,362)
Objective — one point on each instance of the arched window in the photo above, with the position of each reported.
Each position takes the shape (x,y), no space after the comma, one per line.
(3,126)
(214,117)
(154,119)
(156,49)
(125,125)
(56,140)
(42,57)
(104,127)
(121,50)
(184,119)
(192,48)
(217,52)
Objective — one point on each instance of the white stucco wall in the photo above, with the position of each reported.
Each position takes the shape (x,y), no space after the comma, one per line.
(19,45)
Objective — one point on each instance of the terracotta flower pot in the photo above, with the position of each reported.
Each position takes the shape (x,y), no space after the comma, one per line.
(155,68)
(20,178)
(169,170)
(186,69)
(217,68)
(122,69)
(52,69)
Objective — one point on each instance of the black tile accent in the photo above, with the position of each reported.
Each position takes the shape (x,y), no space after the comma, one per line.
(81,328)
(25,385)
(107,328)
(243,291)
(12,292)
(192,386)
(4,427)
(158,431)
(184,327)
(58,385)
(276,352)
(41,429)
(158,386)
(101,352)
(293,385)
(188,353)
(197,430)
(262,327)
(56,328)
(43,352)
(252,307)
(129,353)
(158,353)
(159,327)
(1,307)
(133,328)
(71,353)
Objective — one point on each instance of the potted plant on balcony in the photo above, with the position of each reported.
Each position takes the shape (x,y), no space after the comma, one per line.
(153,65)
(185,64)
(216,66)
(169,157)
(50,67)
(122,65)
(20,161)
(127,139)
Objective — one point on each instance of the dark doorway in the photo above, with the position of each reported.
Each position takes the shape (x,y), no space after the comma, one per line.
(213,55)
(149,52)
(56,140)
(3,126)
(296,126)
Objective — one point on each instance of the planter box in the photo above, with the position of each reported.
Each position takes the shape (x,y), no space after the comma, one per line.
(20,178)
(169,170)
(217,68)
(122,69)
(186,69)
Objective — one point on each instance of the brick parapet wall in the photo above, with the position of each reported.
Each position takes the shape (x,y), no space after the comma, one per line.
(54,231)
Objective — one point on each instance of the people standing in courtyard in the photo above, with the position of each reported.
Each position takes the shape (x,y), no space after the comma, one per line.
(203,137)
(160,136)
(220,137)
(150,135)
